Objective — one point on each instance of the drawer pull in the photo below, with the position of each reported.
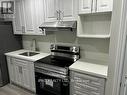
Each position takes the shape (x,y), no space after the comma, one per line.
(104,5)
(87,87)
(86,7)
(77,92)
(95,93)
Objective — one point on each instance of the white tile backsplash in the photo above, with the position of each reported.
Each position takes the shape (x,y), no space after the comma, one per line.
(91,49)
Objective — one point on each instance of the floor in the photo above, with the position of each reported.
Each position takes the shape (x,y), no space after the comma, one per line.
(13,90)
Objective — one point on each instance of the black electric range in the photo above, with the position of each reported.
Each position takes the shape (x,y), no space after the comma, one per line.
(55,67)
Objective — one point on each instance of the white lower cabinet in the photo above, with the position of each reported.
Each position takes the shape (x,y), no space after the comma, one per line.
(21,73)
(82,84)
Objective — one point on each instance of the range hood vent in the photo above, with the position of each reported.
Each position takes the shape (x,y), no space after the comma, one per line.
(59,25)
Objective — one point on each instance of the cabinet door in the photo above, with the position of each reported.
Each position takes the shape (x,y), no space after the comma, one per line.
(21,72)
(32,76)
(11,69)
(18,73)
(25,75)
(51,10)
(68,9)
(38,15)
(104,5)
(28,9)
(18,23)
(85,6)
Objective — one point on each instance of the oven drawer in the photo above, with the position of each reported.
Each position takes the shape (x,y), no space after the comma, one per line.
(86,79)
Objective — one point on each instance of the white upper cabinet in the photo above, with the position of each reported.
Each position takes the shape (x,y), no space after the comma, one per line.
(19,20)
(104,5)
(85,6)
(51,10)
(28,5)
(93,6)
(68,9)
(64,9)
(38,15)
(29,15)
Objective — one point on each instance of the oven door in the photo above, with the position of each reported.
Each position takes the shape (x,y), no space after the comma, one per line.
(50,85)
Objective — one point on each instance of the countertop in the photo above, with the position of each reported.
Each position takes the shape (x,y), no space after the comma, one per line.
(31,58)
(79,66)
(90,68)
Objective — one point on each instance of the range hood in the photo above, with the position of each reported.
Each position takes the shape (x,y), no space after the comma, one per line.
(59,25)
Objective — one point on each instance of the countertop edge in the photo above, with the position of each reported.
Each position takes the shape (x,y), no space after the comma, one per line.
(88,73)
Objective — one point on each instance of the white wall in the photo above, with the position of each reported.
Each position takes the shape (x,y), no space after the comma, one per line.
(114,51)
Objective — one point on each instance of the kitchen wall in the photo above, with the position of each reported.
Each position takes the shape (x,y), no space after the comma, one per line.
(92,50)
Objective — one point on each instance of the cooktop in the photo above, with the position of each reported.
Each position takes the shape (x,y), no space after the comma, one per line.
(56,61)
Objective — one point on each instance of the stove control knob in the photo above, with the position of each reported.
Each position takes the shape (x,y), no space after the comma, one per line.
(75,49)
(52,47)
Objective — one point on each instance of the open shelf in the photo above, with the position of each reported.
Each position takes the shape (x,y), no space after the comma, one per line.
(93,36)
(94,26)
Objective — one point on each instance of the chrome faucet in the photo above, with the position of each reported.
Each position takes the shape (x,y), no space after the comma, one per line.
(34,45)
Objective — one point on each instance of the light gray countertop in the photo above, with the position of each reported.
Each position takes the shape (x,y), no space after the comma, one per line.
(90,68)
(79,66)
(28,58)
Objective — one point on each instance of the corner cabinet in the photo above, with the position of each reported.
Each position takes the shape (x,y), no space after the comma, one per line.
(93,6)
(82,84)
(64,9)
(21,72)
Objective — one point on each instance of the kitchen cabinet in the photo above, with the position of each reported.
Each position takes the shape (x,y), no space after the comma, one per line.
(86,85)
(29,15)
(38,16)
(19,18)
(85,6)
(28,5)
(51,10)
(63,9)
(68,9)
(104,5)
(93,6)
(21,72)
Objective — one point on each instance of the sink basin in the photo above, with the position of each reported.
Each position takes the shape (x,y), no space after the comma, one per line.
(29,53)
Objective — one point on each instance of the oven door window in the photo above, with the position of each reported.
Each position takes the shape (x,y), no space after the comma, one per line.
(48,85)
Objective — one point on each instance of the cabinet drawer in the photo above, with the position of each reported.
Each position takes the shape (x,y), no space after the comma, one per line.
(90,80)
(14,60)
(81,86)
(79,91)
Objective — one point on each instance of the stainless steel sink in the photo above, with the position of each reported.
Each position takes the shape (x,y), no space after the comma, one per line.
(29,53)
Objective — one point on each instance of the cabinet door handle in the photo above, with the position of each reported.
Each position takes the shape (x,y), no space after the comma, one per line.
(61,15)
(104,5)
(96,6)
(86,7)
(20,69)
(57,15)
(23,29)
(91,5)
